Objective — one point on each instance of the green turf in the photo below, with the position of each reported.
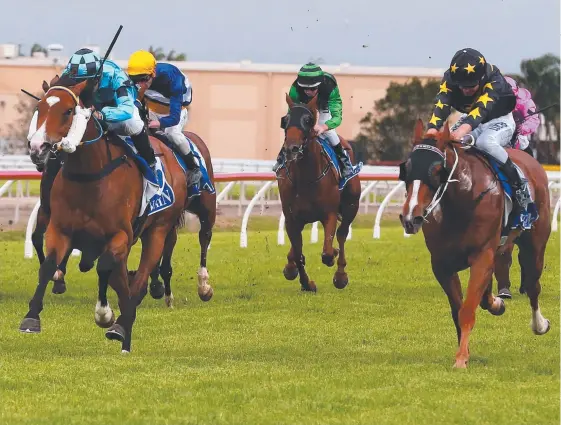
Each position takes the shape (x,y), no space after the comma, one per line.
(261,352)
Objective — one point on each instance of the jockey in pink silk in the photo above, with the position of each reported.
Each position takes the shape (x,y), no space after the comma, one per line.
(526,125)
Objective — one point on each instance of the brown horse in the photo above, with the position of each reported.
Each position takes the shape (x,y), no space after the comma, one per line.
(456,199)
(309,192)
(95,207)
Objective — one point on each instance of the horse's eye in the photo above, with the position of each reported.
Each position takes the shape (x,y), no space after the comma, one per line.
(68,112)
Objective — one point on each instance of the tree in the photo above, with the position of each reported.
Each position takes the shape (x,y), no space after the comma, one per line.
(159,54)
(386,133)
(17,131)
(37,48)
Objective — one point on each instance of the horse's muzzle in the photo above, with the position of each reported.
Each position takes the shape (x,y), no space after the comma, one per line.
(294,152)
(40,156)
(411,225)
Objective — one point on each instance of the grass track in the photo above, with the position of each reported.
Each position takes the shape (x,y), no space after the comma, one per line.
(378,352)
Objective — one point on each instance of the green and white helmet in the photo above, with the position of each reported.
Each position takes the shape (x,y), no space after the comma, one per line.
(309,76)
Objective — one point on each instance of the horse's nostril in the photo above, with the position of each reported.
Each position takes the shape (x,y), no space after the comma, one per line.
(418,220)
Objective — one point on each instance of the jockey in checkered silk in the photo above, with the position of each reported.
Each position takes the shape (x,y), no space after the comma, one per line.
(478,89)
(166,92)
(312,81)
(112,96)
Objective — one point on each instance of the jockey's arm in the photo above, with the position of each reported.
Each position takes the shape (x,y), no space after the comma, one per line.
(125,96)
(483,105)
(442,106)
(335,105)
(174,112)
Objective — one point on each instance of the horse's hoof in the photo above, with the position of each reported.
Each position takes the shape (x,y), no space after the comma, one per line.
(207,294)
(537,332)
(522,290)
(340,280)
(460,364)
(30,325)
(125,352)
(102,322)
(156,289)
(501,309)
(310,287)
(328,260)
(59,287)
(290,273)
(85,266)
(505,294)
(116,333)
(169,300)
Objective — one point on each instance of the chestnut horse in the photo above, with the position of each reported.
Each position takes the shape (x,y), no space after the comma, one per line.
(309,192)
(455,197)
(95,207)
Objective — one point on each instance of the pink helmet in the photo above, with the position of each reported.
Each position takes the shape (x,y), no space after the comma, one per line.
(513,84)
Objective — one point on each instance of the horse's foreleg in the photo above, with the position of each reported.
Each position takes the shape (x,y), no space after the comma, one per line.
(450,283)
(329,226)
(205,235)
(38,233)
(480,271)
(502,272)
(290,271)
(57,247)
(294,231)
(152,249)
(340,278)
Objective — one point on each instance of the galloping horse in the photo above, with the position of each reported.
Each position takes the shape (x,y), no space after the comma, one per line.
(203,205)
(96,208)
(455,197)
(309,192)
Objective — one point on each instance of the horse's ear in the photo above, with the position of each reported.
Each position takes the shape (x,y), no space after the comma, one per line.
(289,101)
(45,86)
(77,89)
(445,133)
(313,104)
(419,130)
(54,80)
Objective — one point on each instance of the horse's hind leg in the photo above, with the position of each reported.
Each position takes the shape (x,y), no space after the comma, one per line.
(57,247)
(532,251)
(502,272)
(166,270)
(294,231)
(340,278)
(59,285)
(494,305)
(156,286)
(205,235)
(104,315)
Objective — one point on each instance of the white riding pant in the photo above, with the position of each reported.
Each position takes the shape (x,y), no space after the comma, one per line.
(131,127)
(330,135)
(493,136)
(175,133)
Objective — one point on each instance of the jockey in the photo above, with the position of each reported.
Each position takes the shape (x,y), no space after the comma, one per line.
(312,81)
(526,121)
(167,93)
(479,90)
(112,95)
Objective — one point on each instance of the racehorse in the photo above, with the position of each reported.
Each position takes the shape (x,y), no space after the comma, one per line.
(309,191)
(96,208)
(203,205)
(454,196)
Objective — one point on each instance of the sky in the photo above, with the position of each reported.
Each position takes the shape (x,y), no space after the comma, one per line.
(360,32)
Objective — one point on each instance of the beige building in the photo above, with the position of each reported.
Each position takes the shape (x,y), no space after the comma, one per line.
(236,107)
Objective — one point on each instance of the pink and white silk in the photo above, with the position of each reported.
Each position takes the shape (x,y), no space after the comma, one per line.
(526,125)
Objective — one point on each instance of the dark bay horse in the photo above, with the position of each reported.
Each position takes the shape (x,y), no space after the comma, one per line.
(455,197)
(95,206)
(309,192)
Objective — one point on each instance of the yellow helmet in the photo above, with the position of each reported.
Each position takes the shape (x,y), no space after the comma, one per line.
(141,62)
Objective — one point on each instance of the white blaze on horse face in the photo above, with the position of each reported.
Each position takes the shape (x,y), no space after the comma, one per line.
(414,199)
(52,100)
(38,138)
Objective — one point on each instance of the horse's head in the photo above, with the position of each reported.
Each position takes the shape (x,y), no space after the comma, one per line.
(52,118)
(298,125)
(423,173)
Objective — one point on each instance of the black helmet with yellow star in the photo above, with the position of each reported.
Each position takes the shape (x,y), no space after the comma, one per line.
(467,68)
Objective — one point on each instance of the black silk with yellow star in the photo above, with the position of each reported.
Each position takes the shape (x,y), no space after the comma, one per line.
(493,99)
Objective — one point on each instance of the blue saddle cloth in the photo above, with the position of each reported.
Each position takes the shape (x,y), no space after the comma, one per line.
(205,182)
(526,217)
(330,152)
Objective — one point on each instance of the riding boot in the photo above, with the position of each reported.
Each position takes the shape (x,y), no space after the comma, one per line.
(344,160)
(519,187)
(280,161)
(144,148)
(195,174)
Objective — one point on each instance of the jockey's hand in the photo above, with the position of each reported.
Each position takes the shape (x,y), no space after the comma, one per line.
(154,124)
(320,128)
(431,132)
(460,132)
(98,115)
